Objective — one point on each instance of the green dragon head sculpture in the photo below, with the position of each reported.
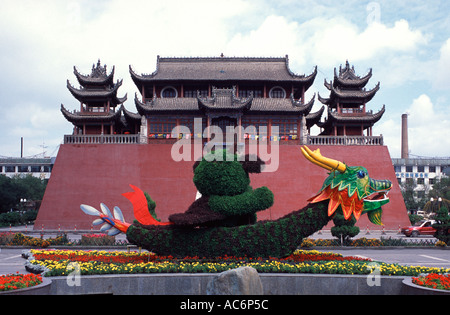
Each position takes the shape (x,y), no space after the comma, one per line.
(349,187)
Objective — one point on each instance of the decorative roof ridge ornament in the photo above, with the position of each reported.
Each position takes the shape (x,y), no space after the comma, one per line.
(300,103)
(235,101)
(99,71)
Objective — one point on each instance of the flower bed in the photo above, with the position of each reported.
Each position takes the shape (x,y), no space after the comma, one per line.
(371,242)
(117,262)
(434,281)
(19,239)
(6,238)
(19,281)
(97,240)
(92,255)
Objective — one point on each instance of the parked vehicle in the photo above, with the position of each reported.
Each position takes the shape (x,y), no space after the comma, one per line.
(423,227)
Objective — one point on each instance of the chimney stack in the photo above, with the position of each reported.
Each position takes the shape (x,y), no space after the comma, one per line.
(405,154)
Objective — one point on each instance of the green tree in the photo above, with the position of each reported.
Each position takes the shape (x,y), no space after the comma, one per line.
(29,187)
(442,225)
(344,229)
(18,187)
(441,188)
(409,196)
(8,194)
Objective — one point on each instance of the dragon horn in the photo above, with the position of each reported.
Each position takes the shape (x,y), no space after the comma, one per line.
(327,163)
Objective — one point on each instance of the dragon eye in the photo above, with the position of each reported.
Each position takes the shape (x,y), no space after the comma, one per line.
(361,174)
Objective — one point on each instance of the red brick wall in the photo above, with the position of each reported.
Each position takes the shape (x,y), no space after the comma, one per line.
(92,174)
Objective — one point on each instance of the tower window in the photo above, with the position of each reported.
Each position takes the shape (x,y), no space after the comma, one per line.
(169,92)
(277,92)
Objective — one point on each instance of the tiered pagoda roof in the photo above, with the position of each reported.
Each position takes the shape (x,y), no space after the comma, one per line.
(347,100)
(348,88)
(339,94)
(87,95)
(367,120)
(98,98)
(97,87)
(78,118)
(349,79)
(98,76)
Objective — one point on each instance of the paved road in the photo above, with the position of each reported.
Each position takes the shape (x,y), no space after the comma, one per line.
(432,257)
(11,261)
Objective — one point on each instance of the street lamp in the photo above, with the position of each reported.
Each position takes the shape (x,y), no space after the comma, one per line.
(22,203)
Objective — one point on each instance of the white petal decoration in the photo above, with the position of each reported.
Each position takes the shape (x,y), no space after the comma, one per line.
(118,214)
(89,210)
(97,222)
(105,210)
(113,231)
(105,227)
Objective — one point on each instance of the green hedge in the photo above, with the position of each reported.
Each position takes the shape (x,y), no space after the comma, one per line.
(248,202)
(17,218)
(263,239)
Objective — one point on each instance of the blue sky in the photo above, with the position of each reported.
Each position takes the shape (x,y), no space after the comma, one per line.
(406,43)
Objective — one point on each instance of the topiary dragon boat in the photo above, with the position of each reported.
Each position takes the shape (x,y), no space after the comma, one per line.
(223,221)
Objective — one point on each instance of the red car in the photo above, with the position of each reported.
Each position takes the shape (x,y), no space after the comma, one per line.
(420,228)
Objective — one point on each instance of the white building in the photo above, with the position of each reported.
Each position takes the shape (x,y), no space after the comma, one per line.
(421,172)
(38,167)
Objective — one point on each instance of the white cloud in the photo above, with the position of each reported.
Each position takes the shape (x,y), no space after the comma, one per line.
(428,129)
(274,37)
(43,40)
(338,40)
(442,73)
(391,131)
(328,42)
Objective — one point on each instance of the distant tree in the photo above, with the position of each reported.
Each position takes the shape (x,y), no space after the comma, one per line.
(30,187)
(12,190)
(442,225)
(8,194)
(409,196)
(414,218)
(441,188)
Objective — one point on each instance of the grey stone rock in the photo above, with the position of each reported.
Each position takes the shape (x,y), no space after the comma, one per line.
(240,281)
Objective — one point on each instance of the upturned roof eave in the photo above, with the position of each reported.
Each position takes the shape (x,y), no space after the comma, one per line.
(86,95)
(157,77)
(85,80)
(368,118)
(80,118)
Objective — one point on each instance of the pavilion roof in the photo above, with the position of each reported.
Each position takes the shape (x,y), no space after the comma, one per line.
(343,95)
(89,95)
(130,115)
(314,118)
(223,69)
(347,77)
(367,119)
(78,118)
(224,101)
(98,76)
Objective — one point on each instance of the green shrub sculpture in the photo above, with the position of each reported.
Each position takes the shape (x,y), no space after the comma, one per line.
(227,197)
(223,220)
